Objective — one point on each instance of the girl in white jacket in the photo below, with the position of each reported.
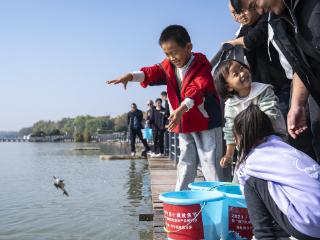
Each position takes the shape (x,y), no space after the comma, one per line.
(233,82)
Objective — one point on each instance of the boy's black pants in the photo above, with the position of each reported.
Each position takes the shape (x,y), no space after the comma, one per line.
(158,141)
(133,134)
(269,223)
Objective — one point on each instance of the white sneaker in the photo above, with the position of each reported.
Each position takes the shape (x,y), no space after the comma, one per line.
(158,155)
(133,154)
(152,155)
(149,153)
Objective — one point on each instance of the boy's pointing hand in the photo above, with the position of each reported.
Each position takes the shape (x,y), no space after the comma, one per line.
(124,80)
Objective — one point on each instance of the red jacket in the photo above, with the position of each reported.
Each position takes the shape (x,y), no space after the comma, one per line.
(197,84)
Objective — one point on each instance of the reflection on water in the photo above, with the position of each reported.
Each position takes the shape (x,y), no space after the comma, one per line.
(105,200)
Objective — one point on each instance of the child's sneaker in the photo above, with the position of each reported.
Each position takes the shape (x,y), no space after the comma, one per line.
(133,154)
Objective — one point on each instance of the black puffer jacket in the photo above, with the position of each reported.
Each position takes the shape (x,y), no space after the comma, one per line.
(286,35)
(262,69)
(158,119)
(305,16)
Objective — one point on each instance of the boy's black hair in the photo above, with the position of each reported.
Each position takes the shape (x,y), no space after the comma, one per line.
(176,33)
(164,93)
(134,104)
(251,127)
(159,99)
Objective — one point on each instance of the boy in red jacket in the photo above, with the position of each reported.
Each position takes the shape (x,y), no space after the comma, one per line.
(196,113)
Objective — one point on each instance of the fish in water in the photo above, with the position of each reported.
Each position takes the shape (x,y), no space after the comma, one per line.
(58,183)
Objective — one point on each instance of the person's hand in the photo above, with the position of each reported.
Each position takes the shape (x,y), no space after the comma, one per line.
(225,161)
(174,119)
(232,42)
(124,80)
(297,121)
(235,42)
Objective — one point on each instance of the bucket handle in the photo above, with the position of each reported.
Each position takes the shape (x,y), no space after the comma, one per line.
(183,227)
(225,184)
(213,188)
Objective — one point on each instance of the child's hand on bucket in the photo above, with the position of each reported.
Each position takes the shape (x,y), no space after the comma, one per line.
(124,80)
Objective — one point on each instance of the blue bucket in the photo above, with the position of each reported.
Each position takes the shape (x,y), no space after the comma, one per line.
(234,220)
(206,186)
(190,214)
(147,133)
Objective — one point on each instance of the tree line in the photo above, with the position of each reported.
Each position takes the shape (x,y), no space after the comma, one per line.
(81,128)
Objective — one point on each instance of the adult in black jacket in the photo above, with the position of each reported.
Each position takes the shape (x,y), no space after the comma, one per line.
(150,106)
(158,119)
(135,117)
(164,97)
(296,28)
(265,63)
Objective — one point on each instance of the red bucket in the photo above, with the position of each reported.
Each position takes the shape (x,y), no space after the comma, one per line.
(186,214)
(183,221)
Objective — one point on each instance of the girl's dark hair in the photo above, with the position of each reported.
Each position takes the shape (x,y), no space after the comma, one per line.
(176,33)
(221,82)
(251,127)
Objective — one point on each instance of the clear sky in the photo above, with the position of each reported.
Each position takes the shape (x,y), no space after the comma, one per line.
(55,55)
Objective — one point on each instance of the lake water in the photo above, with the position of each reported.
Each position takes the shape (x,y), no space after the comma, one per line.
(105,200)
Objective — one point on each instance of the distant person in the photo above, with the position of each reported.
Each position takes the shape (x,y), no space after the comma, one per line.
(135,118)
(281,184)
(158,120)
(164,97)
(150,107)
(196,113)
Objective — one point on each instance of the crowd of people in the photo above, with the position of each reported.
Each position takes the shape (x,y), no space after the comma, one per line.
(268,81)
(156,119)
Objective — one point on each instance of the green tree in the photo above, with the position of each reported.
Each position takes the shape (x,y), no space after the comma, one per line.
(120,123)
(68,126)
(86,136)
(78,137)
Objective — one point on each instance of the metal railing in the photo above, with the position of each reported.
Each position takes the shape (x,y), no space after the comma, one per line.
(117,136)
(174,149)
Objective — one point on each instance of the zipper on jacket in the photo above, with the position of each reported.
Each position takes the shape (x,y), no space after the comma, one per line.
(294,22)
